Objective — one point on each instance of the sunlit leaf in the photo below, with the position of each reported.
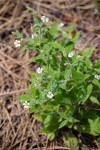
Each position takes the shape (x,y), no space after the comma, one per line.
(94,100)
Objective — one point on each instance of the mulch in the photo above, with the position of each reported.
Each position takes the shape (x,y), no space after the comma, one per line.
(18,129)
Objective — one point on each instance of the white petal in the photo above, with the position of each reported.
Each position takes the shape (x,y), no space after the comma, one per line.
(97,77)
(60,25)
(50,95)
(71,54)
(39,70)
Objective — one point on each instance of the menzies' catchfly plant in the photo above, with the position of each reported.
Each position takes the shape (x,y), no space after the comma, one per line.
(65,87)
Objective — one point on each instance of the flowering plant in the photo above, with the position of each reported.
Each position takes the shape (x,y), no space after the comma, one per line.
(64,90)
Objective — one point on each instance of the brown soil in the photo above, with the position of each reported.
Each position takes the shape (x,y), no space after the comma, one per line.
(18,129)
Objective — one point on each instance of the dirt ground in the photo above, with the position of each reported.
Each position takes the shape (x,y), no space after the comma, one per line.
(18,129)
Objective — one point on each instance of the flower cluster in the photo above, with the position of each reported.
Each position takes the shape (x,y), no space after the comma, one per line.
(60,25)
(97,77)
(71,54)
(39,70)
(34,35)
(50,95)
(44,19)
(17,43)
(26,105)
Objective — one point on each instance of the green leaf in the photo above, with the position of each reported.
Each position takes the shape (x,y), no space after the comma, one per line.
(91,127)
(38,117)
(24,97)
(26,47)
(18,34)
(62,85)
(33,75)
(98,139)
(63,123)
(88,63)
(96,82)
(56,45)
(78,77)
(87,53)
(37,22)
(97,64)
(51,136)
(97,70)
(54,29)
(89,90)
(51,71)
(68,48)
(28,40)
(51,123)
(76,37)
(40,59)
(70,140)
(47,120)
(86,76)
(70,29)
(94,100)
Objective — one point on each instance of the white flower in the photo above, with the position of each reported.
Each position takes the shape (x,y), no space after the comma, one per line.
(81,96)
(17,43)
(44,19)
(39,70)
(50,95)
(60,25)
(71,54)
(34,35)
(35,84)
(97,76)
(26,105)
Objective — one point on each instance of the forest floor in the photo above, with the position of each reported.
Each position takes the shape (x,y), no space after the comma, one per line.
(18,129)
